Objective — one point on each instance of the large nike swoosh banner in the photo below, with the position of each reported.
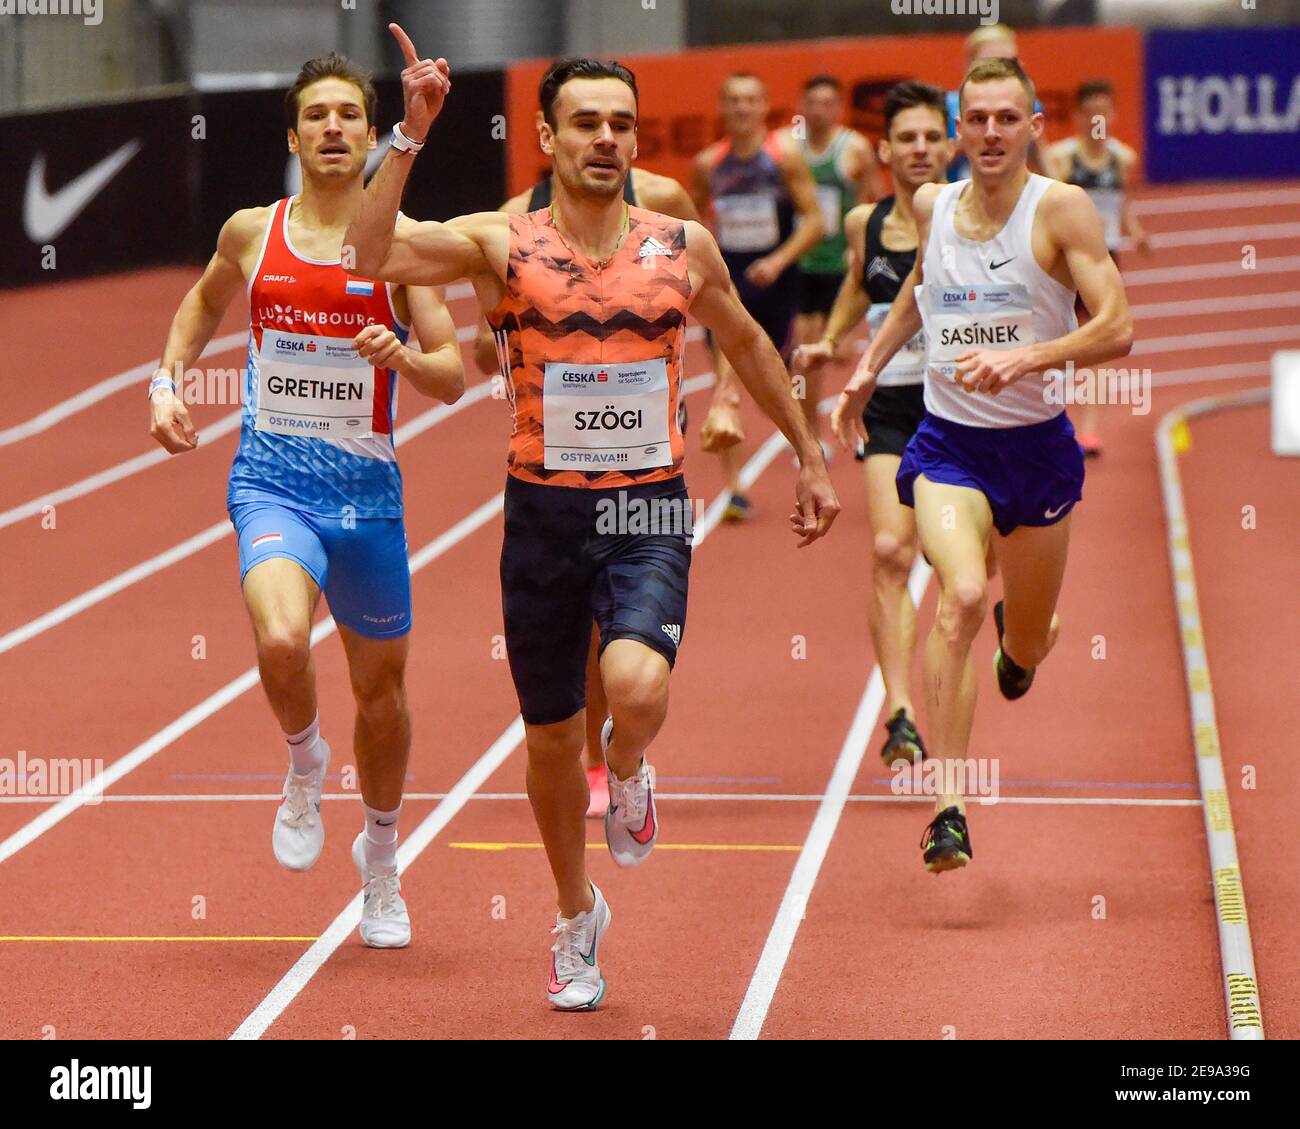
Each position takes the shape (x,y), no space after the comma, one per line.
(106,187)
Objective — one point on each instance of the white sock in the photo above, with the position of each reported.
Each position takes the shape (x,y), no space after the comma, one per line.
(381,838)
(305,748)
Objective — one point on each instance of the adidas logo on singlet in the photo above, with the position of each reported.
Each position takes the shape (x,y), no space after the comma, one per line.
(652,246)
(881,266)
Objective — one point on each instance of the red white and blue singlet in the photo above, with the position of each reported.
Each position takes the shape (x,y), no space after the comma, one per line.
(317,423)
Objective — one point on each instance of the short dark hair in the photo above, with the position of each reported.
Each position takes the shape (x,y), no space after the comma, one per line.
(332,65)
(990,70)
(1091,89)
(562,70)
(908,93)
(824,80)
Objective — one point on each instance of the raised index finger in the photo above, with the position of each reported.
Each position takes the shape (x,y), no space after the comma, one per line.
(404,42)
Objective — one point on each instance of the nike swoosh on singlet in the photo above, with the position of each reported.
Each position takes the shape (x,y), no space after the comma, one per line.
(998,266)
(46,215)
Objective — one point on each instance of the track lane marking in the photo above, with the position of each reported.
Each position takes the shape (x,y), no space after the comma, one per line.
(297,977)
(794,903)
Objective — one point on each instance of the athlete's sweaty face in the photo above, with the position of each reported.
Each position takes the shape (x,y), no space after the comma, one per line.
(916,150)
(333,136)
(822,107)
(744,107)
(1094,116)
(997,125)
(594,139)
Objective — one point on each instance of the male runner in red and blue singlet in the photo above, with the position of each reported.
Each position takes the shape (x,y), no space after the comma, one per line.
(315,493)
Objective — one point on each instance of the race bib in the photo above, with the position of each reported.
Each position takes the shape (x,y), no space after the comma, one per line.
(606,417)
(907,366)
(1110,206)
(747,223)
(962,318)
(314,386)
(830,200)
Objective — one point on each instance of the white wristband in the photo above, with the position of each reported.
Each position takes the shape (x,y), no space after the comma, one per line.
(161,382)
(404,144)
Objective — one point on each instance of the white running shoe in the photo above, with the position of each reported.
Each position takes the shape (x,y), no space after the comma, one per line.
(576,983)
(631,826)
(385,924)
(299,834)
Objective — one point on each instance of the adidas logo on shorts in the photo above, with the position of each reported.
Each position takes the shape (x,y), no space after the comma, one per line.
(673,631)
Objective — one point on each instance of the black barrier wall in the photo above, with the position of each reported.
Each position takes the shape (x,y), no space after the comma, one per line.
(96,189)
(245,159)
(109,188)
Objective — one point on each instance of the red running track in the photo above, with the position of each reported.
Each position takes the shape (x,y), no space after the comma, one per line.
(1097,776)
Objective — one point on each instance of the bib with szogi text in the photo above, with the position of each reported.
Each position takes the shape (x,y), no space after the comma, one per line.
(606,417)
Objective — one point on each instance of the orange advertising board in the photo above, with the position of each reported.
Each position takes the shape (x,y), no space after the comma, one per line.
(679,93)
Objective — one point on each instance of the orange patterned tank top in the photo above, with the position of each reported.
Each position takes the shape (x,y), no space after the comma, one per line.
(593,353)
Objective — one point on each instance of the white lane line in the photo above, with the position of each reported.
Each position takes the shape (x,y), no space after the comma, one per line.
(298,976)
(1203,236)
(105,388)
(92,791)
(1199,272)
(1235,303)
(100,479)
(1212,372)
(200,541)
(703,797)
(138,373)
(341,928)
(794,904)
(111,587)
(1217,201)
(1186,341)
(213,533)
(1240,984)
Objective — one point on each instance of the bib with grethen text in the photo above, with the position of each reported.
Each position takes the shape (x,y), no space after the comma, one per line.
(314,386)
(747,223)
(606,417)
(963,318)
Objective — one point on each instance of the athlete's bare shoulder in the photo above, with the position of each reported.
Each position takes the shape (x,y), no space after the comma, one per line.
(246,226)
(1126,153)
(923,201)
(707,157)
(657,193)
(858,215)
(1069,213)
(517,205)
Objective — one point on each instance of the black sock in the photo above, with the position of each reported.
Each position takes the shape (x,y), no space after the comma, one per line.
(1014,669)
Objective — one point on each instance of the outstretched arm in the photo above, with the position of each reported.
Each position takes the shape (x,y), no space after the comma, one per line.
(759,367)
(196,320)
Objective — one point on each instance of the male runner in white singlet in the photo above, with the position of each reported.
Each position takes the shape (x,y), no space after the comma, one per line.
(1003,256)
